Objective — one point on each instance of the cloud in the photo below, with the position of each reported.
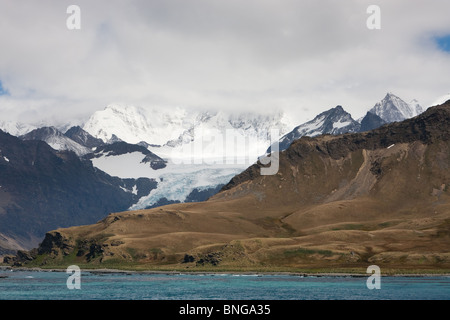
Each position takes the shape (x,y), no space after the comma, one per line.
(301,56)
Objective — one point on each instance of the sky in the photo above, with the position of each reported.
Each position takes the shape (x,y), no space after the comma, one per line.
(302,57)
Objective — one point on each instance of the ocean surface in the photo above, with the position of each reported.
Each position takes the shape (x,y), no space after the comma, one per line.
(39,285)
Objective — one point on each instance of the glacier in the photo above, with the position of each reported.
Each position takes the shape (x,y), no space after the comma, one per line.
(176,184)
(203,149)
(175,181)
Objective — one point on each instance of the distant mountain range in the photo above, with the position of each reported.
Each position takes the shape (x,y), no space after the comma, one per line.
(337,121)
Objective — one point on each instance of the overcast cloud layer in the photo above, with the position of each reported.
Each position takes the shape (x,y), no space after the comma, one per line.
(303,57)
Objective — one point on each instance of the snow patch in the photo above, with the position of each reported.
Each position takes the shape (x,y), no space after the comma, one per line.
(338,125)
(128,165)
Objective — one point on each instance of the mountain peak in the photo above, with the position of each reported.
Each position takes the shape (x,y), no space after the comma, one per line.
(393,109)
(333,121)
(390,94)
(338,109)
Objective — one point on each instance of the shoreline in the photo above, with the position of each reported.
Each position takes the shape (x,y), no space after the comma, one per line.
(244,273)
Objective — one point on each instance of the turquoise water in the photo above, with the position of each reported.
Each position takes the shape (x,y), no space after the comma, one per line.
(35,285)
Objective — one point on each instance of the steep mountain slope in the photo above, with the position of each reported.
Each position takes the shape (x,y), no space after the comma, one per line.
(42,189)
(333,121)
(56,139)
(346,201)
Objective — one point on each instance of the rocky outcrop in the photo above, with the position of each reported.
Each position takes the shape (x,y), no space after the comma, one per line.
(56,244)
(21,258)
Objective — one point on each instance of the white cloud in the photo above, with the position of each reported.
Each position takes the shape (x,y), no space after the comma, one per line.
(301,56)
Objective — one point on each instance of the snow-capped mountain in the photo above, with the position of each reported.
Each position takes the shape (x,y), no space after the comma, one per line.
(56,139)
(333,121)
(175,127)
(392,108)
(135,124)
(16,128)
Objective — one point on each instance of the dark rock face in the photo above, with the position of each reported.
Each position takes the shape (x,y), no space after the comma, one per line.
(188,258)
(54,240)
(21,258)
(197,195)
(213,258)
(371,121)
(143,186)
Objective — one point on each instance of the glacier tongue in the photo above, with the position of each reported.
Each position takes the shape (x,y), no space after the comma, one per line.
(177,182)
